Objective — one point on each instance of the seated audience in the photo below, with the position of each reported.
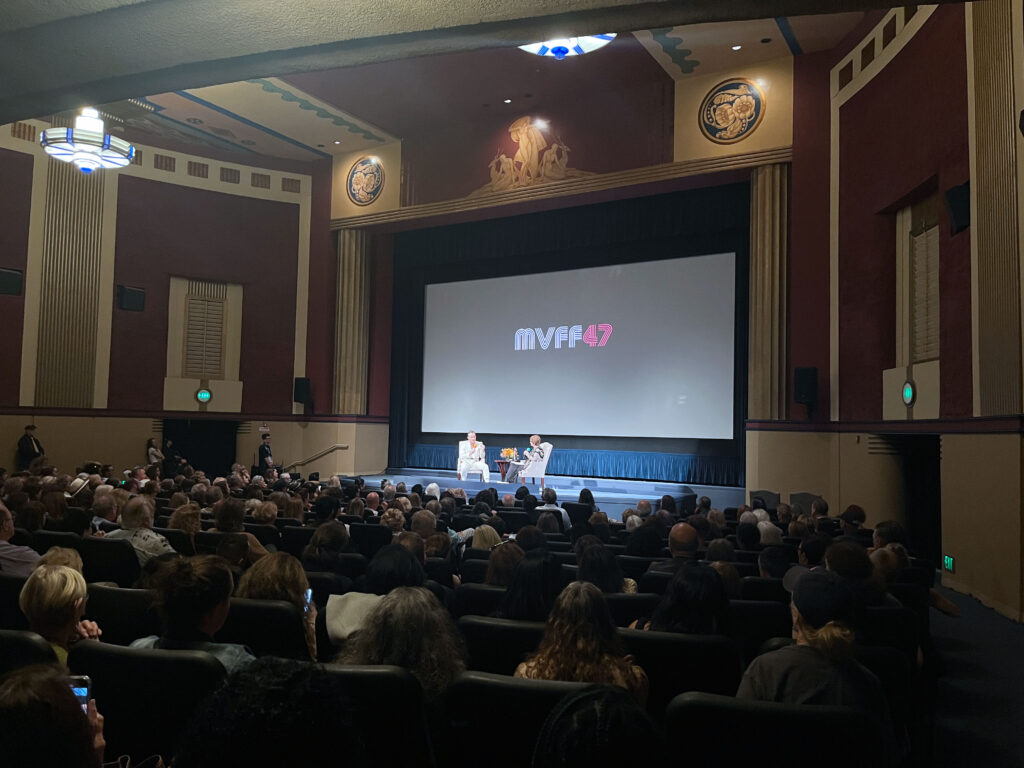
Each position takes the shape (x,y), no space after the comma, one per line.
(272,712)
(137,529)
(53,600)
(694,603)
(393,566)
(15,560)
(229,517)
(645,541)
(535,584)
(773,562)
(414,543)
(264,512)
(393,519)
(811,551)
(748,536)
(409,628)
(187,518)
(850,560)
(598,566)
(683,542)
(62,556)
(580,644)
(193,597)
(325,549)
(721,550)
(547,523)
(486,537)
(43,723)
(730,578)
(530,537)
(770,533)
(502,563)
(279,576)
(438,545)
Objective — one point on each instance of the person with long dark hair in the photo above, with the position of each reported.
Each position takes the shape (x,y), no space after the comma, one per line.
(535,583)
(580,644)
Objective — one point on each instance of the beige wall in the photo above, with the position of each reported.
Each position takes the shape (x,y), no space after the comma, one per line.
(776,129)
(390,198)
(981,518)
(348,448)
(70,441)
(839,466)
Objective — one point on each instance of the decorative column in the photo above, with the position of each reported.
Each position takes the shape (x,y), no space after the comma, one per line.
(769,243)
(994,88)
(352,322)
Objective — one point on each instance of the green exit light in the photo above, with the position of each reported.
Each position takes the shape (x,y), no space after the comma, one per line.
(948,563)
(909,393)
(204,395)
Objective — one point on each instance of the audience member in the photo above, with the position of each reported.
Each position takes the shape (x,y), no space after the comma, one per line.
(748,537)
(43,723)
(547,523)
(580,644)
(769,532)
(811,551)
(599,566)
(279,576)
(485,538)
(53,600)
(393,566)
(325,549)
(645,541)
(393,519)
(62,556)
(502,563)
(773,562)
(137,529)
(720,550)
(694,603)
(193,597)
(229,517)
(536,582)
(15,560)
(530,537)
(409,628)
(730,578)
(272,712)
(682,546)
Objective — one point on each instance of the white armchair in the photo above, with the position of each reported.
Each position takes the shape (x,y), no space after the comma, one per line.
(472,461)
(537,469)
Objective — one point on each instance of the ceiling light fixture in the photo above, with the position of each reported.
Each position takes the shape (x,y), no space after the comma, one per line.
(86,145)
(736,47)
(568,46)
(337,142)
(508,101)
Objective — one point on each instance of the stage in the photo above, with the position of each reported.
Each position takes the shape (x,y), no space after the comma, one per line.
(612,496)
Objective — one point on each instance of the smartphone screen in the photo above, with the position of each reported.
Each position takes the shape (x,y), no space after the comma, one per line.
(81,686)
(309,599)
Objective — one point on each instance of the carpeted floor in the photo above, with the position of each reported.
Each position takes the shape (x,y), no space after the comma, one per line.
(979,693)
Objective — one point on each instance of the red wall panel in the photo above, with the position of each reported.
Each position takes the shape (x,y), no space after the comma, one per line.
(902,135)
(166,229)
(16,204)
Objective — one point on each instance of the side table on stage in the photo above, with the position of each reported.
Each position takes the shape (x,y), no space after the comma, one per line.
(502,467)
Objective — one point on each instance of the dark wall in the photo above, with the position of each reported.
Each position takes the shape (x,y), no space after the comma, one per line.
(902,136)
(15,203)
(165,230)
(323,288)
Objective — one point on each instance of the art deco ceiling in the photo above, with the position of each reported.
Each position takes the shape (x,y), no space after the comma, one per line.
(319,114)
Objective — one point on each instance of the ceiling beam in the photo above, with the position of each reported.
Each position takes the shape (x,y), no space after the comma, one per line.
(52,61)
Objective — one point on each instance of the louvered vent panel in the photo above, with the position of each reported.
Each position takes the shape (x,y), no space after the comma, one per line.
(924,254)
(204,337)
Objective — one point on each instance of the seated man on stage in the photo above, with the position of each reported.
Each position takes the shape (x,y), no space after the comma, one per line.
(472,457)
(534,455)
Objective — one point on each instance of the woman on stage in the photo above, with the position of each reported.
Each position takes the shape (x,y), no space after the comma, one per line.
(535,455)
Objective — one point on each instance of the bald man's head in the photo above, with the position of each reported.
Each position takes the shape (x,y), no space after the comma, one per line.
(683,540)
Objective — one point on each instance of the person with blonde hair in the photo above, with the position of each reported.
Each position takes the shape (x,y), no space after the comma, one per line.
(61,556)
(264,512)
(186,518)
(393,519)
(485,537)
(581,644)
(53,600)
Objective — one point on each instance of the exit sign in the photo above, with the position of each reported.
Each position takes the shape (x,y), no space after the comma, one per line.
(948,563)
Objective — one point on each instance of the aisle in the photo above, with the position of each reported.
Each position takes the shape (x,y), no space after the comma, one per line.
(979,698)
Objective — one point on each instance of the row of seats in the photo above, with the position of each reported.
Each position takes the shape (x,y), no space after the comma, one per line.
(173,683)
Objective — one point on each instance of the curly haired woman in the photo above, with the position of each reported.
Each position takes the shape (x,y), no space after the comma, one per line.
(580,644)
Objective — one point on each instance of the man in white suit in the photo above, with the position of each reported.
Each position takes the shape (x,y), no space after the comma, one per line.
(472,457)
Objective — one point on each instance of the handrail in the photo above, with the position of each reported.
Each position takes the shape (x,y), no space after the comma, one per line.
(318,455)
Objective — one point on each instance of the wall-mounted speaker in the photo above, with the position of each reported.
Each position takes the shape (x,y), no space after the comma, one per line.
(303,391)
(805,386)
(10,282)
(131,299)
(958,204)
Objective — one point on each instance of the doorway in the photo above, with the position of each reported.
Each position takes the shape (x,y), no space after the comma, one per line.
(207,444)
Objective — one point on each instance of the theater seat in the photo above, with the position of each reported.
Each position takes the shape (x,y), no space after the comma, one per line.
(479,700)
(267,535)
(440,570)
(43,539)
(388,711)
(499,645)
(124,615)
(268,627)
(180,540)
(146,696)
(210,542)
(325,584)
(295,539)
(757,588)
(635,567)
(769,735)
(367,539)
(109,560)
(675,663)
(476,599)
(20,648)
(752,622)
(626,609)
(11,616)
(655,582)
(474,571)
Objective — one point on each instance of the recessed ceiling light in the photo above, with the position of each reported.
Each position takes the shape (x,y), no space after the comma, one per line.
(736,47)
(508,101)
(337,142)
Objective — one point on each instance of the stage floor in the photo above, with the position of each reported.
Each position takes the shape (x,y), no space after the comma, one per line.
(612,496)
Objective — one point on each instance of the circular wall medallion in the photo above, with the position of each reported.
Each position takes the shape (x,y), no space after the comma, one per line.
(365,180)
(909,393)
(731,111)
(203,396)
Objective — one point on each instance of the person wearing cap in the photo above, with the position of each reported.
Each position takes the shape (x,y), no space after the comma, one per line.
(29,449)
(819,668)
